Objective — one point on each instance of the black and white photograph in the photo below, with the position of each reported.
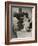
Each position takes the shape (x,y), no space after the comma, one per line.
(21,22)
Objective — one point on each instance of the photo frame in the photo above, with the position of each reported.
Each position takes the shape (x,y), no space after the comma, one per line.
(20,22)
